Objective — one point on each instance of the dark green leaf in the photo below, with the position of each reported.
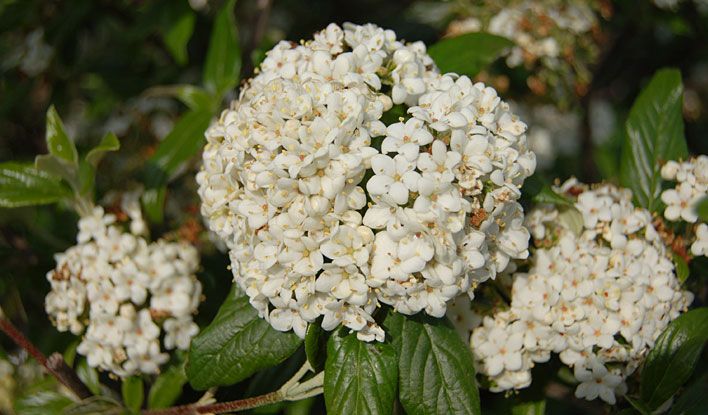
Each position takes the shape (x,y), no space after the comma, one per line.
(89,376)
(638,405)
(468,54)
(548,195)
(436,370)
(21,184)
(167,387)
(154,202)
(180,145)
(315,342)
(693,400)
(654,134)
(58,167)
(236,345)
(192,96)
(178,35)
(58,142)
(681,268)
(529,408)
(674,356)
(109,142)
(223,60)
(42,399)
(133,393)
(360,377)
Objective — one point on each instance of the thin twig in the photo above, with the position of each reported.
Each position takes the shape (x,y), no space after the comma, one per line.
(54,365)
(219,408)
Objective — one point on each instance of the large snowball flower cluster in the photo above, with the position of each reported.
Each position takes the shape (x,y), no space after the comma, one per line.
(328,211)
(123,293)
(599,292)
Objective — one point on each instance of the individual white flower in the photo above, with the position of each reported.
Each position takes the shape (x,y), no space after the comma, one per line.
(120,293)
(329,213)
(597,295)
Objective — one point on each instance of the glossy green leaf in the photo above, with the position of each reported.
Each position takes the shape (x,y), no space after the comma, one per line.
(682,270)
(180,145)
(654,134)
(693,400)
(674,356)
(529,408)
(88,375)
(108,143)
(167,387)
(468,54)
(235,345)
(42,398)
(360,377)
(548,195)
(315,343)
(178,35)
(223,60)
(436,370)
(21,184)
(58,142)
(133,393)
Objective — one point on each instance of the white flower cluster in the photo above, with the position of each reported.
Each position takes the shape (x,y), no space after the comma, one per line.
(327,211)
(533,40)
(598,297)
(692,186)
(122,293)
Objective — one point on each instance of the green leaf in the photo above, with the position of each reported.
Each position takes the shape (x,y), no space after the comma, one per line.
(21,184)
(548,195)
(674,356)
(58,167)
(181,144)
(167,387)
(638,405)
(235,345)
(529,408)
(702,209)
(42,399)
(194,97)
(435,367)
(95,405)
(153,201)
(693,400)
(178,35)
(133,393)
(468,54)
(223,60)
(89,376)
(360,377)
(682,270)
(654,134)
(58,141)
(315,342)
(109,142)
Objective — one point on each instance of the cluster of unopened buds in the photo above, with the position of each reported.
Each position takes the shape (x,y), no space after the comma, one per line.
(122,293)
(330,207)
(600,289)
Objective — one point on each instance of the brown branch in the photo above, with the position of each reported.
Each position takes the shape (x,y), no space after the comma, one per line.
(54,365)
(219,408)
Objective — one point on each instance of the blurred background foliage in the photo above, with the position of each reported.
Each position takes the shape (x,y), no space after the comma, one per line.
(157,70)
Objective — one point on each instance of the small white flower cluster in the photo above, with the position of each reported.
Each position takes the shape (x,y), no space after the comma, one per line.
(327,211)
(691,179)
(122,292)
(598,297)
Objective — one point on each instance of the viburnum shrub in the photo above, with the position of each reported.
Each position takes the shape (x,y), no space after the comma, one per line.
(372,232)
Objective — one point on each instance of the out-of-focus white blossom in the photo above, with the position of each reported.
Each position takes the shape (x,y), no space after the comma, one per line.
(599,299)
(552,133)
(700,245)
(122,293)
(33,55)
(327,211)
(691,179)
